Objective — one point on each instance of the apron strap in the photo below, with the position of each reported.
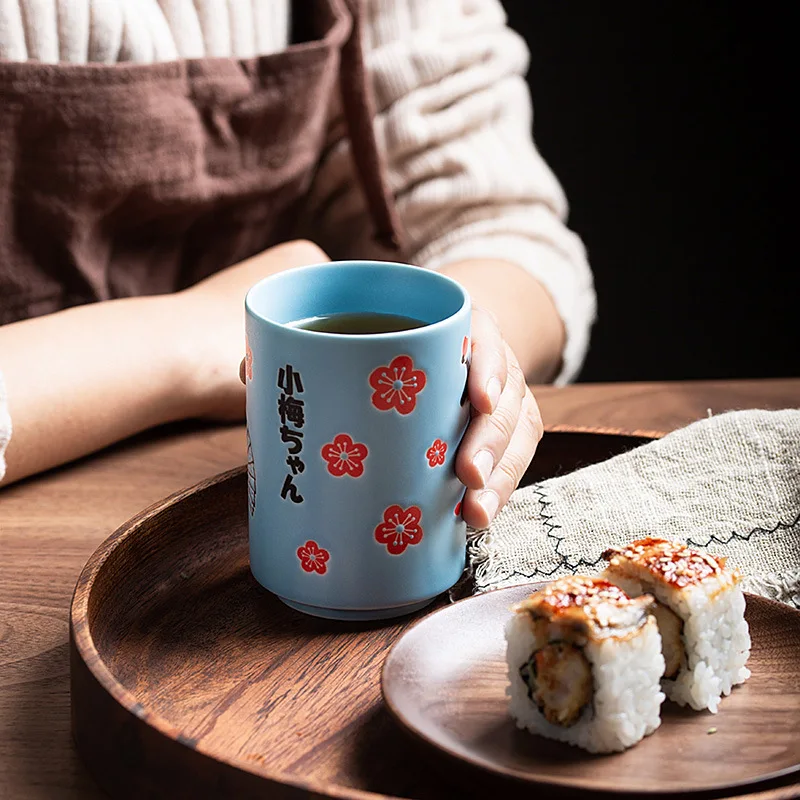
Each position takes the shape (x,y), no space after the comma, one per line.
(359,110)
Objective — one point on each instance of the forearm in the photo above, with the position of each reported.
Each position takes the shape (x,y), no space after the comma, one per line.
(84,378)
(523,308)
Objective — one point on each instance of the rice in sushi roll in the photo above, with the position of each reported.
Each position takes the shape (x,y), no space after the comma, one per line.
(584,663)
(700,613)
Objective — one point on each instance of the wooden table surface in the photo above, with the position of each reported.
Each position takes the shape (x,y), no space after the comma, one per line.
(50,525)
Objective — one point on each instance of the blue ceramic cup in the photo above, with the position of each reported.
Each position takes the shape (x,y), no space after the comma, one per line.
(355,508)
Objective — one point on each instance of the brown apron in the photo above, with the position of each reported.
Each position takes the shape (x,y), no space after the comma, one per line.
(133,179)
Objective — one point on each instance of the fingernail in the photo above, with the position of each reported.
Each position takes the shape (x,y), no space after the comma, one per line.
(490,502)
(493,389)
(484,463)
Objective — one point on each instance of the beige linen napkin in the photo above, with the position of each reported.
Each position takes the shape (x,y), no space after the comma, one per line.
(729,484)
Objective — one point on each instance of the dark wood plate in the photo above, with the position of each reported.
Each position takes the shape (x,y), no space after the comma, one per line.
(190,681)
(445,679)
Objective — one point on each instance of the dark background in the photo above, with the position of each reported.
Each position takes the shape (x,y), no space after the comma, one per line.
(669,127)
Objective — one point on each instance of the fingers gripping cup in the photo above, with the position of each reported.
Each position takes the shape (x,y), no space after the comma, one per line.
(356,403)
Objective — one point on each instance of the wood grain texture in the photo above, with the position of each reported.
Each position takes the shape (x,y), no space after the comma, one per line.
(660,407)
(447,686)
(215,682)
(50,525)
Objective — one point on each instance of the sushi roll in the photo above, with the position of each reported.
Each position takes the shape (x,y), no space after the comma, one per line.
(700,612)
(584,663)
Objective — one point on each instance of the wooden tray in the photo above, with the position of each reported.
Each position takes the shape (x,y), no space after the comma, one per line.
(189,680)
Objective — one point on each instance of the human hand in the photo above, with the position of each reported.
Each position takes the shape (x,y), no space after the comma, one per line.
(506,425)
(215,343)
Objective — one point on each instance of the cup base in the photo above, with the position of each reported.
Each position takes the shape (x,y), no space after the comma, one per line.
(356,615)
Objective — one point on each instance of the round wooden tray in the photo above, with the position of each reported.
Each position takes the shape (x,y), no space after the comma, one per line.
(189,680)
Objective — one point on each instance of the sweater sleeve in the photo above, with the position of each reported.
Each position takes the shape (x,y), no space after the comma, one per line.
(454,123)
(5,426)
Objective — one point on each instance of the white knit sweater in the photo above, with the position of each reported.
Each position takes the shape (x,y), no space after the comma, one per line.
(454,121)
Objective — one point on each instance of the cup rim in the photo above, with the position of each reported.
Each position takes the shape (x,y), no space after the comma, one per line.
(465,307)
